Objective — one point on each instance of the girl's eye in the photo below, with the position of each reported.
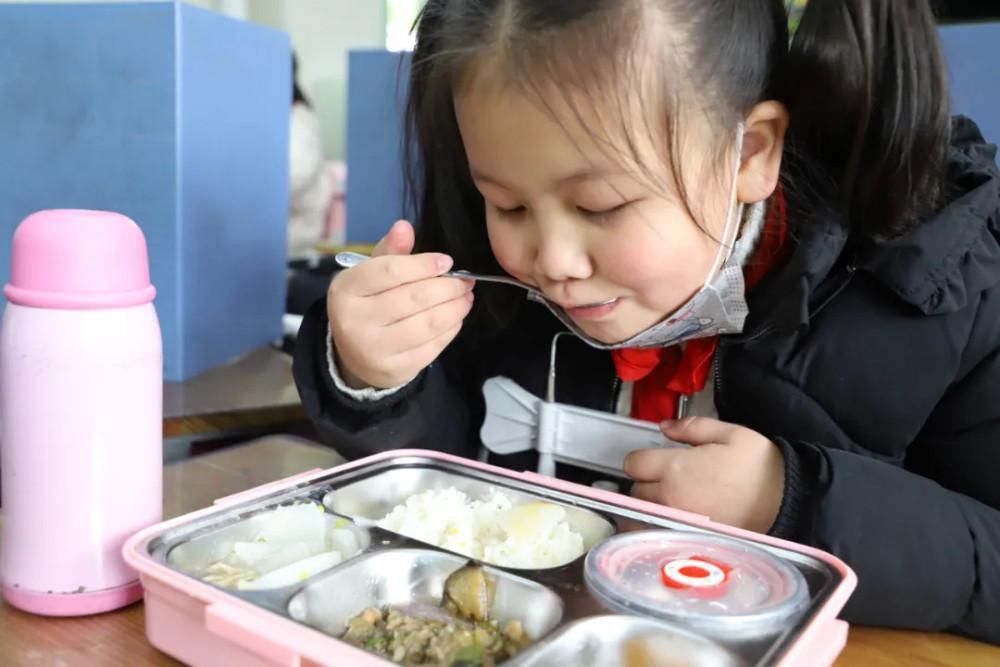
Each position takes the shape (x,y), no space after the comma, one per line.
(602,213)
(510,211)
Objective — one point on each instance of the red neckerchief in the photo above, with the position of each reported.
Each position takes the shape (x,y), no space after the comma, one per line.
(662,375)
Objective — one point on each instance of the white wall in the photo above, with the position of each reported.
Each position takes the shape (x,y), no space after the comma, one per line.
(323,31)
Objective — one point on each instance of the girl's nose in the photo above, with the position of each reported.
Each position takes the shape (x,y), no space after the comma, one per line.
(561,254)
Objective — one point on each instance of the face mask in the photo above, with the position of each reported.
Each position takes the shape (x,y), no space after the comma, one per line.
(718,307)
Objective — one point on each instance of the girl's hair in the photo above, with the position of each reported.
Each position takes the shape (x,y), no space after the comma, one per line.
(864,82)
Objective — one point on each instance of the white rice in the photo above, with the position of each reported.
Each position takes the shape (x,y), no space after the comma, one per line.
(493,529)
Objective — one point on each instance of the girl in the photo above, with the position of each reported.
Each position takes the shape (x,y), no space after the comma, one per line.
(609,152)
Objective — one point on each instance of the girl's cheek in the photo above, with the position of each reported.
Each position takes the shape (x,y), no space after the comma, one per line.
(509,252)
(634,264)
(641,263)
(662,269)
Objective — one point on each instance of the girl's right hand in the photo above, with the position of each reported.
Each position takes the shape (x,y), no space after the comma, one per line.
(391,316)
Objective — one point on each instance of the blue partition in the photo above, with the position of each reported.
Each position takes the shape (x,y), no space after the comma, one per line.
(176,117)
(377,86)
(973,53)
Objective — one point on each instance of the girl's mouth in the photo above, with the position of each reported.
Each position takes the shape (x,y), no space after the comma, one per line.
(593,311)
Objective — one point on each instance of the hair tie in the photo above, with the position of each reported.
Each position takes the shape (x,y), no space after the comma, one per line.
(795,9)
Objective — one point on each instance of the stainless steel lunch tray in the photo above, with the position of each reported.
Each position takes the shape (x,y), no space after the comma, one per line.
(553,604)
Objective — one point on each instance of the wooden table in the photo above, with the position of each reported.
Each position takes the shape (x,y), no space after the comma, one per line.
(248,397)
(118,640)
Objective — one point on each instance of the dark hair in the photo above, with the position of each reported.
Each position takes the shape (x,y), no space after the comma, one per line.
(867,89)
(864,82)
(298,97)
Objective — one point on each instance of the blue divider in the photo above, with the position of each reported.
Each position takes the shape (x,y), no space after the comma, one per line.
(176,117)
(377,85)
(973,53)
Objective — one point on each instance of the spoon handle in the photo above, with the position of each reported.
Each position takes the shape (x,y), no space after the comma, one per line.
(349,260)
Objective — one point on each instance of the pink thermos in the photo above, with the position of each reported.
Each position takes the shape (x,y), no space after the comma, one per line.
(81,431)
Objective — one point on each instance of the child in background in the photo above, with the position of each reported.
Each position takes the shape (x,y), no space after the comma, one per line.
(649,164)
(310,184)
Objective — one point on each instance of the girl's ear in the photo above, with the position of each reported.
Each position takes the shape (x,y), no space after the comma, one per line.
(763,145)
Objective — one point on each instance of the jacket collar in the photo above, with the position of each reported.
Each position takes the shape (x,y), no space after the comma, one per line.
(936,267)
(955,255)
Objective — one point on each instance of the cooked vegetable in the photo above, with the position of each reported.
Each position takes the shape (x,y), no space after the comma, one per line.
(468,593)
(421,642)
(462,637)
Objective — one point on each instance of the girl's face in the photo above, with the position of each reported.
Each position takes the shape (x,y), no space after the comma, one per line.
(617,253)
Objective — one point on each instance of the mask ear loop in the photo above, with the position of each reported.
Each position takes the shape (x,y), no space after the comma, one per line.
(731,230)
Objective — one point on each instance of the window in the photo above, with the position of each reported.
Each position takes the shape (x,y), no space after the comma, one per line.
(399,18)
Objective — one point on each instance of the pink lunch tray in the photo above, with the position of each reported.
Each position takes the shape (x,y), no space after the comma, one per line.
(202,624)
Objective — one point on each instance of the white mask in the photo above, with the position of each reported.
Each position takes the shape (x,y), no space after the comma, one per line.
(718,307)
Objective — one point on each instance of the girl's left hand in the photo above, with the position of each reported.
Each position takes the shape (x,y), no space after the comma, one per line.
(731,474)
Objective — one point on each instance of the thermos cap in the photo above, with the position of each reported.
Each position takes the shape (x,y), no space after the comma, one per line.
(77,259)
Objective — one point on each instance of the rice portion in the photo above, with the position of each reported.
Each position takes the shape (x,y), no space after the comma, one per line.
(494,530)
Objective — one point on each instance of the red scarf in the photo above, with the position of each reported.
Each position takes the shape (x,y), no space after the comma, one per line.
(662,375)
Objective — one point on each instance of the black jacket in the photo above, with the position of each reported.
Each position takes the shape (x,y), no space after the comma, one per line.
(876,366)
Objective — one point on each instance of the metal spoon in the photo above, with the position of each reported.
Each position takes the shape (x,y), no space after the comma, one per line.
(349,260)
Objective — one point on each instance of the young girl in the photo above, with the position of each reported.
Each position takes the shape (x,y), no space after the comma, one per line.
(609,152)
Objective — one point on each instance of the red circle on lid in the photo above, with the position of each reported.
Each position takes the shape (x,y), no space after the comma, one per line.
(697,574)
(692,571)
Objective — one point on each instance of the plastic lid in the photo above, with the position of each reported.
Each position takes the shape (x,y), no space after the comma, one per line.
(76,259)
(718,585)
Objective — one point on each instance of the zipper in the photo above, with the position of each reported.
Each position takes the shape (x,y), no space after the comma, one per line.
(718,377)
(616,387)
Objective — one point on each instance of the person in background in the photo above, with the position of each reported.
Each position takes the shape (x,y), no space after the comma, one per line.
(310,188)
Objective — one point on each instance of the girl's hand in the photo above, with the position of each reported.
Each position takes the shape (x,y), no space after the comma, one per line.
(392,315)
(731,474)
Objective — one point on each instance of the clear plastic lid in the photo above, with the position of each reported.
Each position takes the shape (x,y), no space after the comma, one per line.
(718,585)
